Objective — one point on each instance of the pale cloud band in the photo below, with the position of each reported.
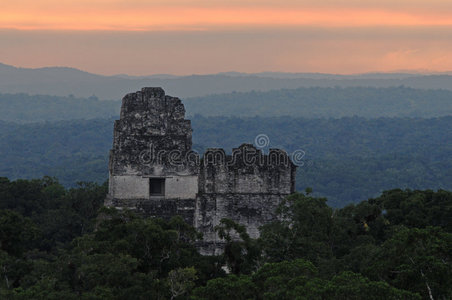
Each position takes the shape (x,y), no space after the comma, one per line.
(184,37)
(253,50)
(205,15)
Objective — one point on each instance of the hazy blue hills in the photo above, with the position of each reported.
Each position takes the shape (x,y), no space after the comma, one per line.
(62,81)
(302,102)
(346,160)
(318,102)
(358,140)
(24,108)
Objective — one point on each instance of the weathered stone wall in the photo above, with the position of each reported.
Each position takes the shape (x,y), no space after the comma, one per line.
(152,141)
(151,126)
(245,187)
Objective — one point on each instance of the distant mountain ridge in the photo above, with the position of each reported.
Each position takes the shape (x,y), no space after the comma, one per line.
(64,81)
(313,102)
(321,102)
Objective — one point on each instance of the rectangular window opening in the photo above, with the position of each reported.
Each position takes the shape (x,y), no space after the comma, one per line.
(157,186)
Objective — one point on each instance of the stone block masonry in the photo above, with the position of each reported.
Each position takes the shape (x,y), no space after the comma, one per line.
(154,172)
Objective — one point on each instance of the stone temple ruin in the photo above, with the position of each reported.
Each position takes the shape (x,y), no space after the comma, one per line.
(155,172)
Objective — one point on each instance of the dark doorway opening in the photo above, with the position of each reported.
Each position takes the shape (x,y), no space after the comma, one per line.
(157,186)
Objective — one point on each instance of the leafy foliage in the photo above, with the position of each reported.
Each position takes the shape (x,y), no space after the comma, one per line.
(418,260)
(59,214)
(240,252)
(396,246)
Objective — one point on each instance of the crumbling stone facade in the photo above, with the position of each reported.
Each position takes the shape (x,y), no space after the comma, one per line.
(154,171)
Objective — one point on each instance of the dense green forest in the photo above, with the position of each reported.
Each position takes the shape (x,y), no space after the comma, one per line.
(346,160)
(314,102)
(388,145)
(70,150)
(394,246)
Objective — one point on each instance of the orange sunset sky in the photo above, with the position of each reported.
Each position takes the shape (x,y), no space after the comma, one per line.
(140,37)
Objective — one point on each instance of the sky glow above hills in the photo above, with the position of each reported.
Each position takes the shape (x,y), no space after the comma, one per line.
(141,37)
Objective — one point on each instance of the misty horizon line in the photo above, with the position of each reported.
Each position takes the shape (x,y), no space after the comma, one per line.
(267,73)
